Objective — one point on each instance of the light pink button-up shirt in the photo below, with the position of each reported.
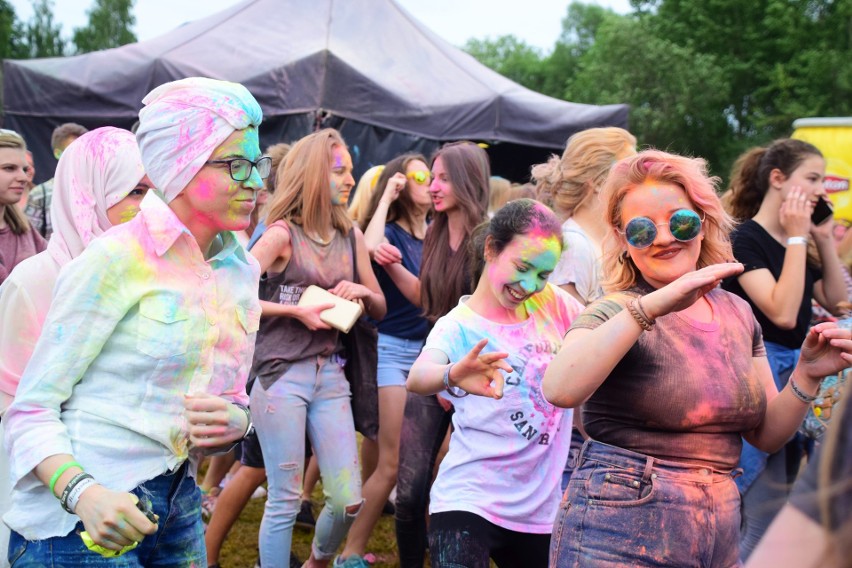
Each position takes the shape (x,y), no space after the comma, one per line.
(137,320)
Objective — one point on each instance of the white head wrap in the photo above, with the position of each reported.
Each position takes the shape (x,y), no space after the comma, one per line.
(94,173)
(184,121)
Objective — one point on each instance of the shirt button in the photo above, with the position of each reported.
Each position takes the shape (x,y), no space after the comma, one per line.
(205,275)
(704,472)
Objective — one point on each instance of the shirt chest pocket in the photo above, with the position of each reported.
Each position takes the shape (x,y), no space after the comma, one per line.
(163,329)
(248,318)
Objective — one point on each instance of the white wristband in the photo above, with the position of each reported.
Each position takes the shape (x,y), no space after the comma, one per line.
(797,241)
(75,494)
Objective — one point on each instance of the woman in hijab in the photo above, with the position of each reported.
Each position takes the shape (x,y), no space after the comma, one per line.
(141,367)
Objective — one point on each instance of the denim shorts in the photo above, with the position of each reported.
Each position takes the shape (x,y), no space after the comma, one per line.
(623,508)
(396,356)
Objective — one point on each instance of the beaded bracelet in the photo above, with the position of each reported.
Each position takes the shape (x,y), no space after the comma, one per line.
(800,394)
(63,499)
(635,309)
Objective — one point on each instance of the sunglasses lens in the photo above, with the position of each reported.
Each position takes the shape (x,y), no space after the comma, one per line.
(640,232)
(685,225)
(420,177)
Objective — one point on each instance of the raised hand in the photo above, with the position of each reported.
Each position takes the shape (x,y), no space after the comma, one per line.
(687,289)
(386,254)
(395,185)
(795,213)
(827,350)
(480,374)
(213,421)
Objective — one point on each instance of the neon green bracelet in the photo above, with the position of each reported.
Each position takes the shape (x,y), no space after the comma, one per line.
(62,469)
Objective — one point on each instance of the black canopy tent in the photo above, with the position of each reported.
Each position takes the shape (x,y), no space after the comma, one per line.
(366,67)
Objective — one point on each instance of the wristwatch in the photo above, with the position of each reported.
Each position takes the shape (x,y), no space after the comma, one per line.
(250,426)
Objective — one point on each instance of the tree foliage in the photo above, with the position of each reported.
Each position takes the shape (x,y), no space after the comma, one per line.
(110,25)
(42,36)
(11,33)
(707,78)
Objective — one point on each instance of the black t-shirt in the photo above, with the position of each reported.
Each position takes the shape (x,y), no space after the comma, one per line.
(807,495)
(756,249)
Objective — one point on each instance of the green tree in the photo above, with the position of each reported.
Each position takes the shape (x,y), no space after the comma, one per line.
(677,96)
(511,58)
(11,33)
(43,37)
(110,23)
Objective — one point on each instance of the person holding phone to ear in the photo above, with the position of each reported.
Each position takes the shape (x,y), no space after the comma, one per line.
(778,193)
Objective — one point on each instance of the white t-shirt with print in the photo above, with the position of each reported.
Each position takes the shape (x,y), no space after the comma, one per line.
(506,456)
(579,264)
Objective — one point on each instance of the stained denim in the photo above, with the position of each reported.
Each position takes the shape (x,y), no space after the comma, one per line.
(623,508)
(178,542)
(424,426)
(312,394)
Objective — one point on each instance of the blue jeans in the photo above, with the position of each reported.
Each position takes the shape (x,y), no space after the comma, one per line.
(767,479)
(312,394)
(623,508)
(179,540)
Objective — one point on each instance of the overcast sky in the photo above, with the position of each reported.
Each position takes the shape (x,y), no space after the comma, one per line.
(537,22)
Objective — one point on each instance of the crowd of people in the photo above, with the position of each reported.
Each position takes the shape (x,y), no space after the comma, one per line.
(609,366)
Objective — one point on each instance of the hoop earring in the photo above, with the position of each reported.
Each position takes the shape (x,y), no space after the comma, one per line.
(622,257)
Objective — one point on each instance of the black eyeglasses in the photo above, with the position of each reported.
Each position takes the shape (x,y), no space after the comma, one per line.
(240,168)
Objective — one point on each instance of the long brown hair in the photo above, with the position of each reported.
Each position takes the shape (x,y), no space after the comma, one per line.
(14,218)
(750,174)
(403,206)
(444,277)
(303,192)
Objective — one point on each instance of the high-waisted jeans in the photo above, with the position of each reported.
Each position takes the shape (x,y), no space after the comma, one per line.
(623,508)
(314,394)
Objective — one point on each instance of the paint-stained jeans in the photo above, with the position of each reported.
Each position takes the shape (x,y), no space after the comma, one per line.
(424,426)
(623,508)
(313,394)
(178,542)
(458,539)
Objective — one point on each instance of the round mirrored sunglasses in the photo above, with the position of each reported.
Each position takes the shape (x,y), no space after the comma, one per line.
(684,225)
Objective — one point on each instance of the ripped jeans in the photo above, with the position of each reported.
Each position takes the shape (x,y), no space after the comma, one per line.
(314,394)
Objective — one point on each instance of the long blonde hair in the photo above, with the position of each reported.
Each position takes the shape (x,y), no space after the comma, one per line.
(688,173)
(303,191)
(13,217)
(564,183)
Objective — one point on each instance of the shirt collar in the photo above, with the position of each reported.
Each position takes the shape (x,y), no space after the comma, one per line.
(165,228)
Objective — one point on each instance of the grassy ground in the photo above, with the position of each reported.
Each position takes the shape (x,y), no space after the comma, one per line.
(240,549)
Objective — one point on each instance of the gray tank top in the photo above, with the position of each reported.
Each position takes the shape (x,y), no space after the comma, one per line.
(282,341)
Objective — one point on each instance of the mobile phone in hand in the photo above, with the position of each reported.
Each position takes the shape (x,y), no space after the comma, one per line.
(145,507)
(823,211)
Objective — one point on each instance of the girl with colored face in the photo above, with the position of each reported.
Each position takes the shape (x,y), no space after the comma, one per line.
(157,318)
(17,239)
(498,488)
(299,362)
(395,221)
(672,430)
(774,193)
(459,194)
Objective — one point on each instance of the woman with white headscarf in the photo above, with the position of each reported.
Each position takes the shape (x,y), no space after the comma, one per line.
(100,181)
(141,367)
